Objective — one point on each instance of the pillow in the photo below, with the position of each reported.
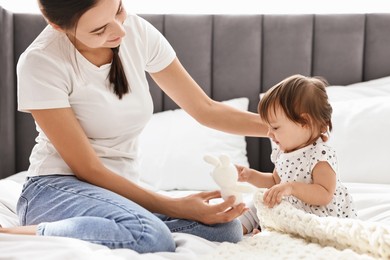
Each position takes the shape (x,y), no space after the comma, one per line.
(360,136)
(9,195)
(172,147)
(373,88)
(359,120)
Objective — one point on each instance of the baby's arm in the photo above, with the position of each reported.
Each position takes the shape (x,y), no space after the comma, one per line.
(319,193)
(256,178)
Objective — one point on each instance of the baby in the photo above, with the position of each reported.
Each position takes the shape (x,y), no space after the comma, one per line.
(298,115)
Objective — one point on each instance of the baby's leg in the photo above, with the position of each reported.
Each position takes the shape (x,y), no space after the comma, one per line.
(249,220)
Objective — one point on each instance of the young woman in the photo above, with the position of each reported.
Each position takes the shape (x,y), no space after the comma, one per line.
(298,115)
(83,80)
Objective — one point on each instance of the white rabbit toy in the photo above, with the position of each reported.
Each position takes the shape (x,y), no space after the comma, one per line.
(226,176)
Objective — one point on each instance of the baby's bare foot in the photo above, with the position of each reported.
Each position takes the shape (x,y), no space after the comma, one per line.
(255,231)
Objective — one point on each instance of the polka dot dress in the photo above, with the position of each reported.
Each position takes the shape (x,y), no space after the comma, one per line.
(298,165)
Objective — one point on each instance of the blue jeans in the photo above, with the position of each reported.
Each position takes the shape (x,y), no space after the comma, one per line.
(67,207)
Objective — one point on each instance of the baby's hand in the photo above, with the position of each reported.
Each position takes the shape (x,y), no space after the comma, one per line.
(243,173)
(274,195)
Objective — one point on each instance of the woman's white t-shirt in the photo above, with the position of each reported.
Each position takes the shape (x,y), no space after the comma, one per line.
(53,74)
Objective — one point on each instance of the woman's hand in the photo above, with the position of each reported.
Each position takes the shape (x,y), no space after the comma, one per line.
(197,207)
(275,194)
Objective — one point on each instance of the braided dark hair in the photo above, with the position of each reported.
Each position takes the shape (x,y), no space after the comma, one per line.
(117,75)
(66,14)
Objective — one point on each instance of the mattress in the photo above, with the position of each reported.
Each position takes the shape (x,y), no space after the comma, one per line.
(372,202)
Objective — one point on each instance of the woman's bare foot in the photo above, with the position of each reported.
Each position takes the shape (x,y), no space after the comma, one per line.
(22,230)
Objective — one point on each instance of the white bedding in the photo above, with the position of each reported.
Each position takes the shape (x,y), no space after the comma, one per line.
(58,248)
(372,201)
(290,233)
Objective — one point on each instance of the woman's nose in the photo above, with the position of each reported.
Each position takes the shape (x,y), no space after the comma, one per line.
(118,29)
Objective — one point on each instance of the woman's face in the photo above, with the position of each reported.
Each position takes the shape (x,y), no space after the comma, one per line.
(101,26)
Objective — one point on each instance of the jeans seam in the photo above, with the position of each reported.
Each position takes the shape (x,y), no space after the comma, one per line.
(22,215)
(191,226)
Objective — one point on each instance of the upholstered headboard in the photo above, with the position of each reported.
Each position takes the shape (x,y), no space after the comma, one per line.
(228,55)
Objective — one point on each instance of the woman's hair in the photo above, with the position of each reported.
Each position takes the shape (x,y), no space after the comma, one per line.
(303,100)
(66,14)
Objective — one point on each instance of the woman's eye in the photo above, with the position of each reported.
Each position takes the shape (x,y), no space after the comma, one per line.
(100,33)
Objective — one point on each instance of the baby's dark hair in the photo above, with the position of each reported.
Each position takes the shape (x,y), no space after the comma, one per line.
(298,96)
(66,14)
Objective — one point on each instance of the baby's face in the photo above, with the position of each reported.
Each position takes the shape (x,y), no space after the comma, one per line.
(288,135)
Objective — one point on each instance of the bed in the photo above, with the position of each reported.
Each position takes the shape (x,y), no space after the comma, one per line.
(235,58)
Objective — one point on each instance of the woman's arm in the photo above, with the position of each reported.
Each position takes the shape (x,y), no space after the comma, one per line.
(68,137)
(179,85)
(319,193)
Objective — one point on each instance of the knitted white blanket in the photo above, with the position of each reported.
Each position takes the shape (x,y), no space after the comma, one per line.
(290,233)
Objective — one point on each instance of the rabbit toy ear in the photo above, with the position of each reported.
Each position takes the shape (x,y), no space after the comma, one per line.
(211,160)
(225,160)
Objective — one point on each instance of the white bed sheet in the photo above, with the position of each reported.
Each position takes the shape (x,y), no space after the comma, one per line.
(39,247)
(372,201)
